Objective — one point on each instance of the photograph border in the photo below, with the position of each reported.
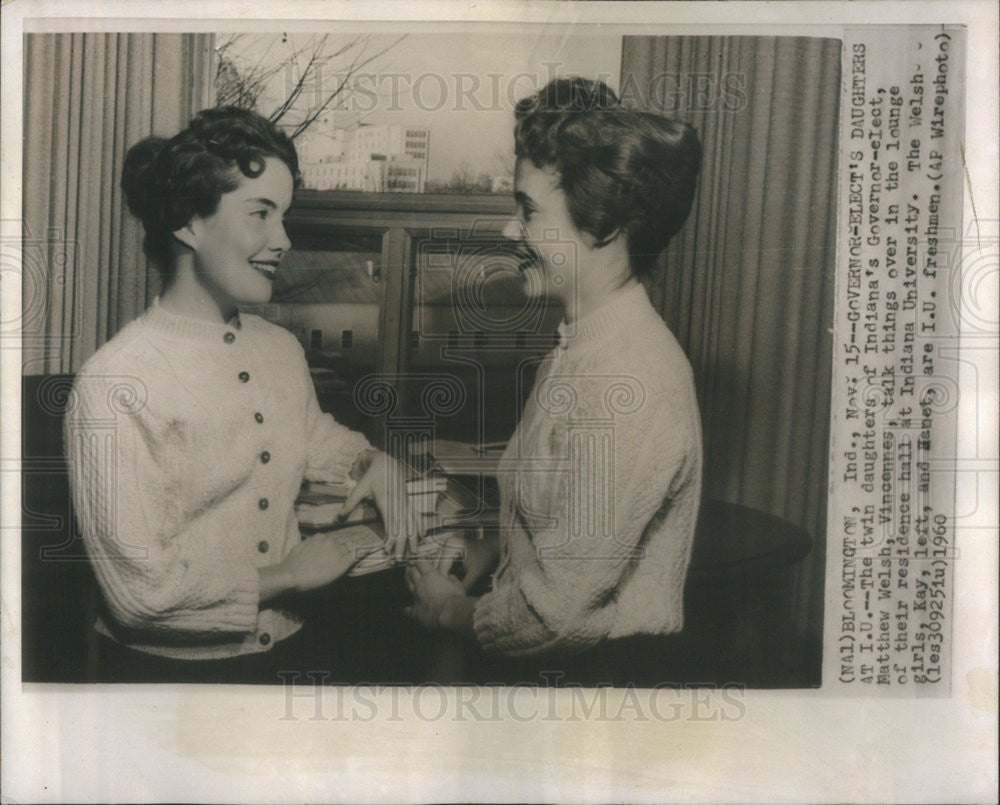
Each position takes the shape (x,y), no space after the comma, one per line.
(236,744)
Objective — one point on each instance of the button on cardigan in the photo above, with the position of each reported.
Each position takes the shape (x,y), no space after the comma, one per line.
(166,431)
(599,489)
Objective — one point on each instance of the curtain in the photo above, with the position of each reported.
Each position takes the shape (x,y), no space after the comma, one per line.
(88,98)
(747,286)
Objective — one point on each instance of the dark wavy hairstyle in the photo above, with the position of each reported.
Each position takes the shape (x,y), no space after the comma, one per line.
(169,182)
(623,171)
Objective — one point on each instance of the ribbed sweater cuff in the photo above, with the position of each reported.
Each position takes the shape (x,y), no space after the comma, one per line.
(344,457)
(360,451)
(237,612)
(504,623)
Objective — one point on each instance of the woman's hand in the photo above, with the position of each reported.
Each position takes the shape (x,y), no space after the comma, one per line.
(384,479)
(313,563)
(479,555)
(439,601)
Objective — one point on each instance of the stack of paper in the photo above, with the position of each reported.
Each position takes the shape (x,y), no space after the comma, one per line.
(425,493)
(431,548)
(445,515)
(458,458)
(320,504)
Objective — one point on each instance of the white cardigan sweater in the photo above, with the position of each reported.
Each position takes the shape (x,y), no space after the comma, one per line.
(599,488)
(187,443)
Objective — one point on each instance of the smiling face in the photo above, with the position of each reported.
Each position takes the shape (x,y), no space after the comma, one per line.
(549,245)
(236,250)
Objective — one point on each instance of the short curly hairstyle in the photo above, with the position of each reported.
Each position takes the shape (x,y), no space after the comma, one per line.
(623,171)
(168,182)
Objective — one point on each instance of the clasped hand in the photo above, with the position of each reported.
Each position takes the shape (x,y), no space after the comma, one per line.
(432,592)
(312,563)
(440,599)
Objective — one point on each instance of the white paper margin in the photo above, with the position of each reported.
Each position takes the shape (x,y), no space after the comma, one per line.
(149,743)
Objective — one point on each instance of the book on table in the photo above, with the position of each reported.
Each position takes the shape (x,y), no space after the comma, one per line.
(449,457)
(447,510)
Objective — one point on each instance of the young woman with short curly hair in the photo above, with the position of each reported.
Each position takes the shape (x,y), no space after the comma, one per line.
(185,496)
(600,483)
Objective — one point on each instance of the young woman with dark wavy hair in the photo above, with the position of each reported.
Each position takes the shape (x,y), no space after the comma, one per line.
(185,496)
(600,483)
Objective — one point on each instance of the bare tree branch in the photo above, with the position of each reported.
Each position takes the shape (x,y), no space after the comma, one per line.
(243,81)
(310,72)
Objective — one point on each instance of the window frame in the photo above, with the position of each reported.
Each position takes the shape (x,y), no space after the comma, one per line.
(402,220)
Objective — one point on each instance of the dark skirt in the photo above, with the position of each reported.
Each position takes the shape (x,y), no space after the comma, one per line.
(119,663)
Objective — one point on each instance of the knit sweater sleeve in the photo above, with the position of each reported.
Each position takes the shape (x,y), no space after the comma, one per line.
(586,534)
(331,448)
(152,566)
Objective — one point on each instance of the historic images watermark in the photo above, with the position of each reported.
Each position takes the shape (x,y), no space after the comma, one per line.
(667,92)
(310,697)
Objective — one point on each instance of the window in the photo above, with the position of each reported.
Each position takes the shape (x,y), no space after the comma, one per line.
(478,339)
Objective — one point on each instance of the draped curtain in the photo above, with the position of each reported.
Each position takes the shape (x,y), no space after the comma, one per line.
(747,286)
(88,98)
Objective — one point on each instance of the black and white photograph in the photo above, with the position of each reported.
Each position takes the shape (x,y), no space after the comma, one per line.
(645,508)
(555,377)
